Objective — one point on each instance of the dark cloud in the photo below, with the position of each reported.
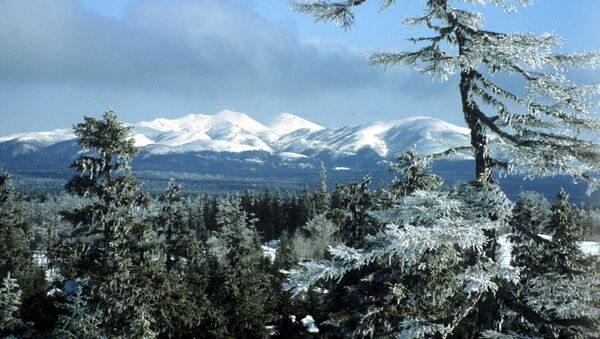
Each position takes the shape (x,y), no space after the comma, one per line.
(214,53)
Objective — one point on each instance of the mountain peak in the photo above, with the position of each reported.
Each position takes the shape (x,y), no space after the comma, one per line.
(285,123)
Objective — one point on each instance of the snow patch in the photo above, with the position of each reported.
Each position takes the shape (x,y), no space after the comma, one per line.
(310,324)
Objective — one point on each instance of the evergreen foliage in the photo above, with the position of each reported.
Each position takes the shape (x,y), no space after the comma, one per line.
(245,291)
(541,131)
(10,304)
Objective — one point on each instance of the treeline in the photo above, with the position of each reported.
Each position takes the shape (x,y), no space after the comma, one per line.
(109,260)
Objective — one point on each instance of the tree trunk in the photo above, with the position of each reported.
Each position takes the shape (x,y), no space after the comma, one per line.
(483,165)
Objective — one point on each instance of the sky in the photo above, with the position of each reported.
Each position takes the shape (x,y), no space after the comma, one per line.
(63,59)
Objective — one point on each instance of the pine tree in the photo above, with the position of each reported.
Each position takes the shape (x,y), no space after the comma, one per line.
(560,286)
(17,259)
(112,243)
(245,292)
(543,130)
(322,199)
(10,304)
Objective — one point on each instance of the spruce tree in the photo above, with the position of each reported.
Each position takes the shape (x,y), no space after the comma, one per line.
(10,304)
(17,259)
(560,286)
(112,244)
(322,199)
(244,295)
(543,131)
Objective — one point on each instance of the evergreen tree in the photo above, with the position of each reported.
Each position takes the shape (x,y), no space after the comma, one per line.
(16,259)
(415,174)
(10,304)
(183,306)
(307,206)
(560,286)
(530,217)
(79,320)
(180,242)
(543,131)
(245,292)
(358,202)
(322,199)
(287,307)
(112,243)
(423,275)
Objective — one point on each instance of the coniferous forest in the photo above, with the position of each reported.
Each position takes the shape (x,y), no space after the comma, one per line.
(105,259)
(414,258)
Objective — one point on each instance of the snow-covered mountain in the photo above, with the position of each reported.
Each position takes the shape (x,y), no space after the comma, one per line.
(286,123)
(286,134)
(385,138)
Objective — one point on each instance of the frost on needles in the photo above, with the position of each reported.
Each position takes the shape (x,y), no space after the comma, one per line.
(430,267)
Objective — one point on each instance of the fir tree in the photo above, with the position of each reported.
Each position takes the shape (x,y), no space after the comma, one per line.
(322,199)
(112,243)
(244,295)
(560,286)
(16,258)
(542,130)
(10,304)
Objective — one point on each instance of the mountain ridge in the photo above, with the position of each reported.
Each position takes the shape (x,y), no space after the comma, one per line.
(230,131)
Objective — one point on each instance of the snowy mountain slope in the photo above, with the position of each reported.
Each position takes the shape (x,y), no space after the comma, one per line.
(386,138)
(41,138)
(225,131)
(286,123)
(285,134)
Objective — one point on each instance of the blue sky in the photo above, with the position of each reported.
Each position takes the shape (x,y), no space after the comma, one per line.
(62,59)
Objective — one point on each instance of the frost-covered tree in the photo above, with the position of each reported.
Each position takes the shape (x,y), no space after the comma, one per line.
(560,286)
(180,242)
(112,245)
(322,199)
(244,295)
(78,319)
(425,274)
(540,129)
(17,257)
(414,173)
(311,241)
(10,304)
(544,128)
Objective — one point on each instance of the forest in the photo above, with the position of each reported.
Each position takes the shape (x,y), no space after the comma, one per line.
(104,259)
(414,258)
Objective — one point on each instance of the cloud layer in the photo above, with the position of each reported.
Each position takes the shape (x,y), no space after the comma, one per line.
(170,57)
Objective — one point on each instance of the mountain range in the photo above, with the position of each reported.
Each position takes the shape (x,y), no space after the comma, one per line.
(230,151)
(286,135)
